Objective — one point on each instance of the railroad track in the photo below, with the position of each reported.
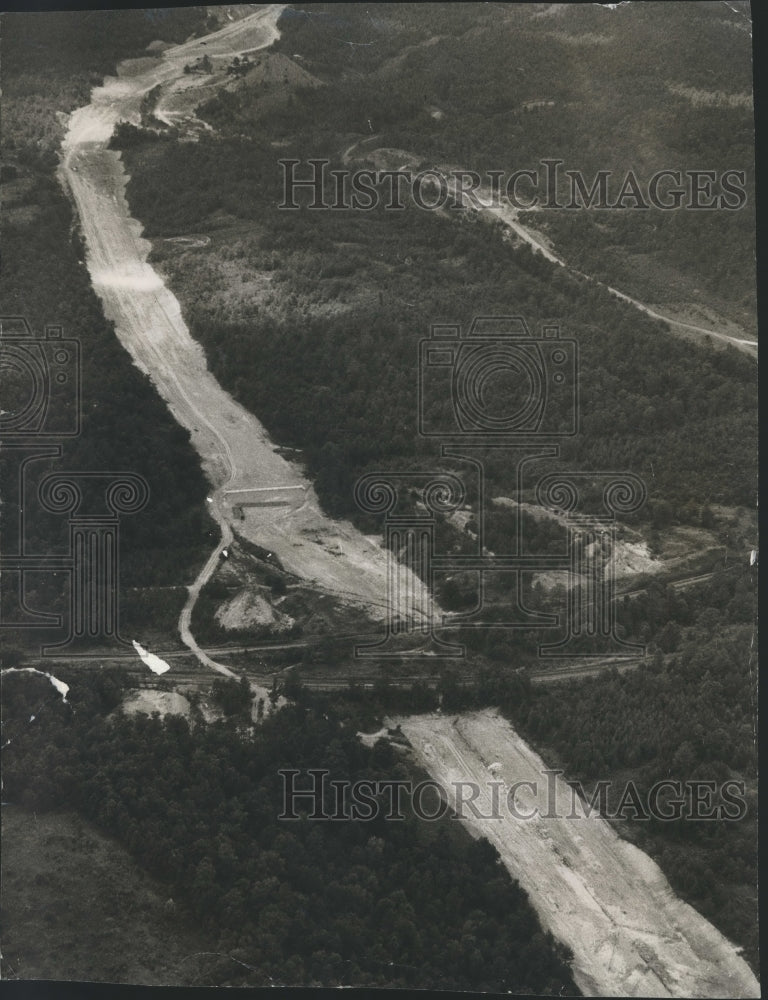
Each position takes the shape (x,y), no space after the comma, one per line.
(573,671)
(182,674)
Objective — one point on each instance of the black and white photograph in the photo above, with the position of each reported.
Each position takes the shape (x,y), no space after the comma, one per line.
(379,498)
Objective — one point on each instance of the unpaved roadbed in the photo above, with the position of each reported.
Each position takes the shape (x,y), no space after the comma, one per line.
(601,896)
(235,450)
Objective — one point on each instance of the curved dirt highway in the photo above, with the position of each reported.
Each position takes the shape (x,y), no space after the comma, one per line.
(235,450)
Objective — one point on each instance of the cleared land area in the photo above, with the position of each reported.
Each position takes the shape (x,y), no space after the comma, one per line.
(235,450)
(601,896)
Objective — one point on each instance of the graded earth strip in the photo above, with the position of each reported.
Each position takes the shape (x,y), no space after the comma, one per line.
(600,895)
(235,450)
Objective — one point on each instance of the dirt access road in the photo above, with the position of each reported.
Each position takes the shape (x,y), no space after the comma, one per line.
(598,894)
(235,451)
(486,204)
(510,218)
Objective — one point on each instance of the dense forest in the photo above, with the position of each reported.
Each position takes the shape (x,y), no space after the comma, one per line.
(690,716)
(260,886)
(644,88)
(313,321)
(321,312)
(330,307)
(363,903)
(688,713)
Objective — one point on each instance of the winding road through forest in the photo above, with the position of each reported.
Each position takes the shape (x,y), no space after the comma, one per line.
(510,218)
